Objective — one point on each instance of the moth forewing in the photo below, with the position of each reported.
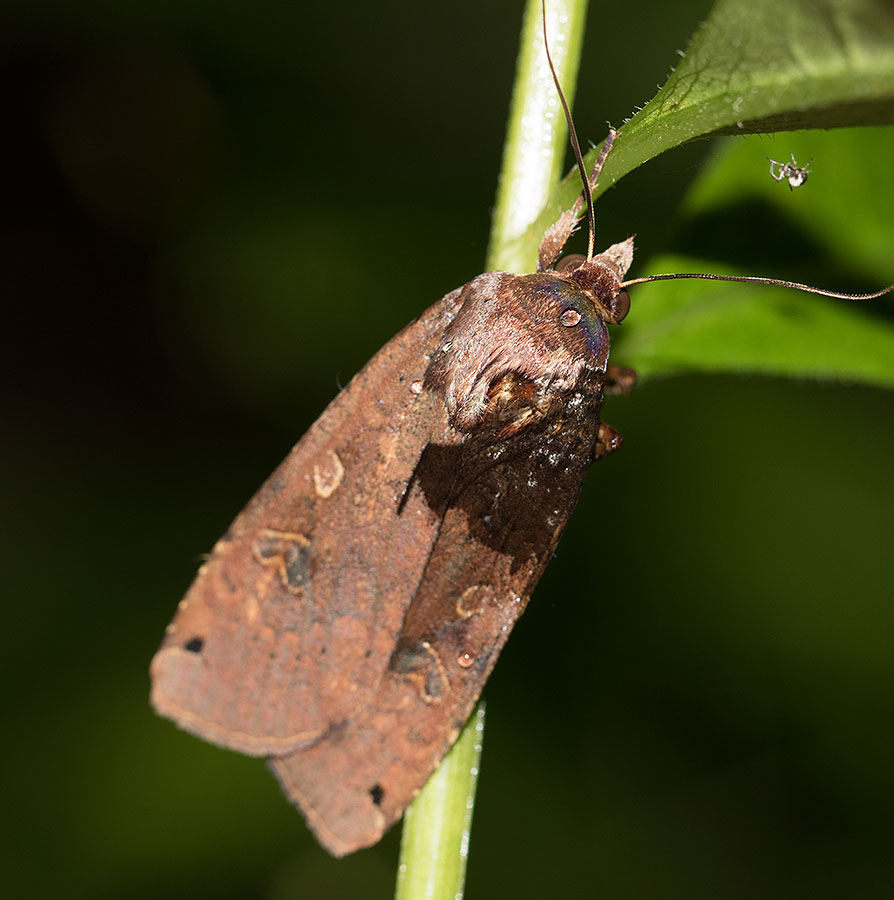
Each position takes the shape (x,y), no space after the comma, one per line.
(289,623)
(505,505)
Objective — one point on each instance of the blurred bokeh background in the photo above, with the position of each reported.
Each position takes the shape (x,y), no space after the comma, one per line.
(212,215)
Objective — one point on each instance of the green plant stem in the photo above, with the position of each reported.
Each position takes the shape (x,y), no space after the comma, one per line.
(435,839)
(536,136)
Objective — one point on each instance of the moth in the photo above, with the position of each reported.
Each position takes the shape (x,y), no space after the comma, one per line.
(345,624)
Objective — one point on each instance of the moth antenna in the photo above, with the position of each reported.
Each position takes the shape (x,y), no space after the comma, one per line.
(757,279)
(572,134)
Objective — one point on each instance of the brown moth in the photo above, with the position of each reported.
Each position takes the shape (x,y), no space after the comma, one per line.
(345,624)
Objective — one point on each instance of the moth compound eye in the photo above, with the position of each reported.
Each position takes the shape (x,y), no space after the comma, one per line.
(618,307)
(571,262)
(570,318)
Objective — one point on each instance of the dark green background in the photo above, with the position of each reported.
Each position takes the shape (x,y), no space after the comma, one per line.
(212,216)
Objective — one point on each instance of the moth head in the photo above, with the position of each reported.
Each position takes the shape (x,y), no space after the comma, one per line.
(601,279)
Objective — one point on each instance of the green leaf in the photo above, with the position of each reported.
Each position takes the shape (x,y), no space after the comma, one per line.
(760,66)
(838,224)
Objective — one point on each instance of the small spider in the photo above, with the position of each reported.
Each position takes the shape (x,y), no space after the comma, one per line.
(793,173)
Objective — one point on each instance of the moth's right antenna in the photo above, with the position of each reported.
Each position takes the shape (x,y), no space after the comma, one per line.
(572,134)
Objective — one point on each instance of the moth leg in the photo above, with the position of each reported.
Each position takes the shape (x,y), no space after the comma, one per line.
(556,236)
(607,441)
(619,380)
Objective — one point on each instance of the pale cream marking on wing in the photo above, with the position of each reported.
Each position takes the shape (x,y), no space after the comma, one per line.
(428,698)
(472,600)
(287,535)
(328,477)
